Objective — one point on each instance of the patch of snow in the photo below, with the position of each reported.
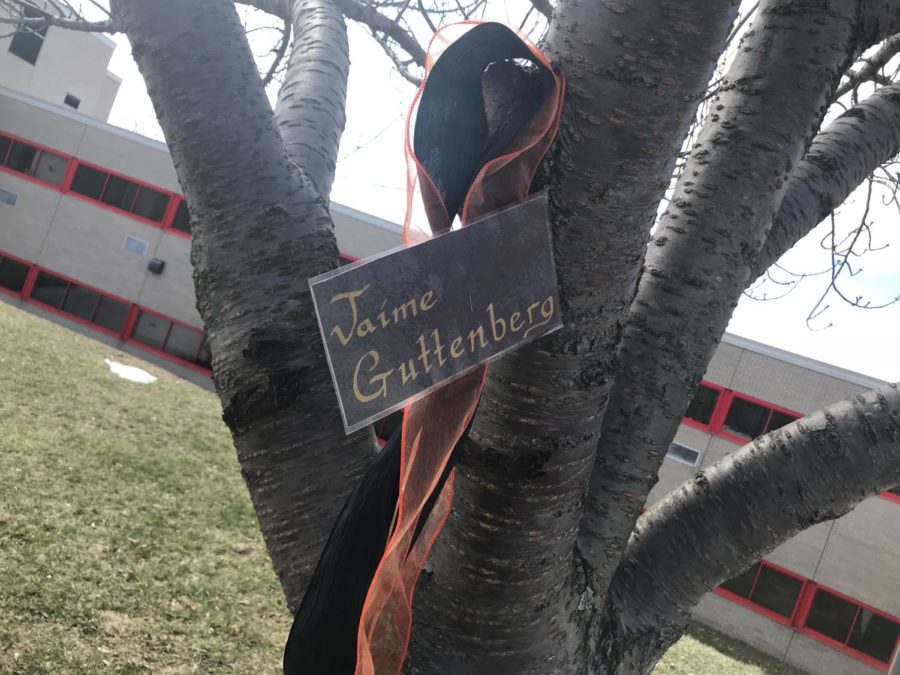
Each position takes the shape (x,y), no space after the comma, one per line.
(130,373)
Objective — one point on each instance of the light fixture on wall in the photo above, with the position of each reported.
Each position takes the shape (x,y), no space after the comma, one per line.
(156,265)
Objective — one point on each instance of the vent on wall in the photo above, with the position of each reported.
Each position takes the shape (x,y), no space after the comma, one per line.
(7,197)
(135,245)
(72,101)
(684,454)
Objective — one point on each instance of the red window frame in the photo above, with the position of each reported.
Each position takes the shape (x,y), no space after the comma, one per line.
(775,616)
(29,287)
(169,218)
(168,213)
(41,148)
(128,336)
(801,610)
(28,276)
(714,421)
(731,395)
(890,496)
(808,596)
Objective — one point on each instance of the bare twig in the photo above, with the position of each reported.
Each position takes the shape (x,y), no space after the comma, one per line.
(17,17)
(869,70)
(279,52)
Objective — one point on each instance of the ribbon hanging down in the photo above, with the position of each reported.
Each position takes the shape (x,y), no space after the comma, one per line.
(486,115)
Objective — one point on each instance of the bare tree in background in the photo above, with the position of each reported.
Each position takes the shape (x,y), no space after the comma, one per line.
(544,565)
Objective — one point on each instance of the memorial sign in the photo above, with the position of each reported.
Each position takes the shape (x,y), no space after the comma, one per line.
(397,325)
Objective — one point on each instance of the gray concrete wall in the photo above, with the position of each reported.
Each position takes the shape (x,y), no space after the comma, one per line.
(69,62)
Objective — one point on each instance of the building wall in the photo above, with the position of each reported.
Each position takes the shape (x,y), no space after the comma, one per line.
(69,62)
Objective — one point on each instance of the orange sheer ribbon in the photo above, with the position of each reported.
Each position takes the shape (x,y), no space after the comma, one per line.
(433,424)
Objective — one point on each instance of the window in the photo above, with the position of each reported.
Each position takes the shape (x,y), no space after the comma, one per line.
(767,587)
(49,289)
(27,41)
(89,181)
(703,404)
(183,342)
(135,245)
(120,193)
(182,220)
(80,302)
(13,274)
(684,454)
(32,161)
(7,197)
(749,420)
(72,101)
(852,625)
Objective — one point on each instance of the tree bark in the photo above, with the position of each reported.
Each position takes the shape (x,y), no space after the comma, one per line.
(730,515)
(260,229)
(700,259)
(838,161)
(505,582)
(311,103)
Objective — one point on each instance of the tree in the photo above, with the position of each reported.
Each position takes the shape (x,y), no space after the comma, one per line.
(571,430)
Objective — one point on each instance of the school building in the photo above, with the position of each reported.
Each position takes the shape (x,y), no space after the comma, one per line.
(94,234)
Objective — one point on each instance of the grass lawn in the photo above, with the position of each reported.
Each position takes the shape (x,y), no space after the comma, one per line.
(127,539)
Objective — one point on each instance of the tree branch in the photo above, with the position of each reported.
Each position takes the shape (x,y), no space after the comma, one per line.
(367,14)
(311,103)
(279,53)
(519,485)
(838,161)
(544,7)
(50,19)
(700,260)
(727,517)
(869,70)
(258,233)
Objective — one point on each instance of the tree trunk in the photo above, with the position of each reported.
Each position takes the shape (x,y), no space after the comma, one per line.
(260,230)
(505,584)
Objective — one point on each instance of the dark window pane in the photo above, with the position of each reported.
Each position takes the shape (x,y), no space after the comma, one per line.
(683,454)
(21,157)
(88,181)
(742,584)
(49,289)
(779,419)
(12,274)
(183,342)
(874,635)
(151,204)
(746,418)
(27,42)
(702,405)
(204,358)
(182,219)
(776,591)
(895,490)
(119,192)
(50,167)
(831,615)
(111,314)
(4,148)
(151,330)
(72,101)
(385,428)
(80,302)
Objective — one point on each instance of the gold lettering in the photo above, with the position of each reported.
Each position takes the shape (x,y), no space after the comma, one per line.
(455,350)
(349,296)
(382,389)
(472,333)
(365,327)
(424,304)
(412,374)
(512,322)
(547,314)
(423,353)
(438,347)
(401,309)
(494,322)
